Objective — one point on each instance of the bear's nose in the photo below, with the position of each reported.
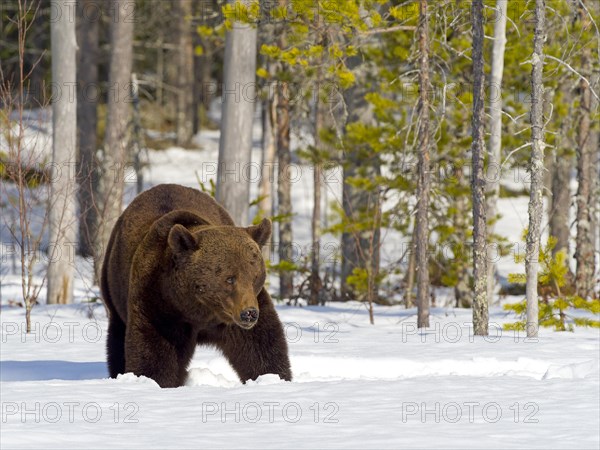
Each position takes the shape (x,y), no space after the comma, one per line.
(249,315)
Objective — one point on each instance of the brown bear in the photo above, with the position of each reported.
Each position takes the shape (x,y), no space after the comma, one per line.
(177,272)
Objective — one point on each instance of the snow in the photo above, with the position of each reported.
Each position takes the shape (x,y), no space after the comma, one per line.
(355,385)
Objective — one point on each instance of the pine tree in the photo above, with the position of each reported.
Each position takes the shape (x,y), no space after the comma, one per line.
(587,168)
(536,168)
(423,185)
(184,120)
(480,300)
(87,122)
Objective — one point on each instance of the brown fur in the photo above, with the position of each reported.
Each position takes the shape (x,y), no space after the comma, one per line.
(177,272)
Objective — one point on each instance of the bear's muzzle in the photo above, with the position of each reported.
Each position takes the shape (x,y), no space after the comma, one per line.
(248,318)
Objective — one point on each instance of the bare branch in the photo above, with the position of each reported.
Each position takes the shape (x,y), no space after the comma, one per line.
(388,30)
(527,144)
(568,66)
(591,16)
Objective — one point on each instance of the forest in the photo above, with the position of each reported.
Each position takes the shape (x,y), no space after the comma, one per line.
(431,113)
(429,175)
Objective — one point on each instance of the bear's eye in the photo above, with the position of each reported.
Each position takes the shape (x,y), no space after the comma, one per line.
(230,280)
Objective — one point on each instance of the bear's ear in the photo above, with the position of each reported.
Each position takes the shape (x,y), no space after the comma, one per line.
(261,232)
(181,240)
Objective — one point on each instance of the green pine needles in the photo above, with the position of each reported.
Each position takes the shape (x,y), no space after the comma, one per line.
(558,307)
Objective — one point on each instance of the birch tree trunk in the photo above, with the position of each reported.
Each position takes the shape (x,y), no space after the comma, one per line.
(239,98)
(587,170)
(480,300)
(424,182)
(115,152)
(87,122)
(62,216)
(185,74)
(536,169)
(495,144)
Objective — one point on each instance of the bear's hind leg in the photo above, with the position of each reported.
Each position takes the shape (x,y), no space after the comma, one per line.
(115,346)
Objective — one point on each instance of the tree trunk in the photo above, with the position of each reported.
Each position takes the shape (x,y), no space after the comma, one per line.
(480,300)
(207,84)
(115,152)
(239,98)
(87,121)
(185,74)
(315,280)
(561,201)
(137,141)
(587,169)
(200,66)
(495,145)
(37,92)
(595,202)
(284,190)
(269,149)
(62,216)
(373,263)
(267,179)
(560,183)
(410,276)
(424,180)
(536,169)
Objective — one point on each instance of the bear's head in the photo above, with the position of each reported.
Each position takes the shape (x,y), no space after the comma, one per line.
(218,270)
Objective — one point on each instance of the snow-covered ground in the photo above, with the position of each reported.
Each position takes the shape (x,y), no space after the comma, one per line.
(355,385)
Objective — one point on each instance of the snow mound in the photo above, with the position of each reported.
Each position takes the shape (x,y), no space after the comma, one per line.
(205,377)
(131,378)
(267,379)
(308,369)
(573,371)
